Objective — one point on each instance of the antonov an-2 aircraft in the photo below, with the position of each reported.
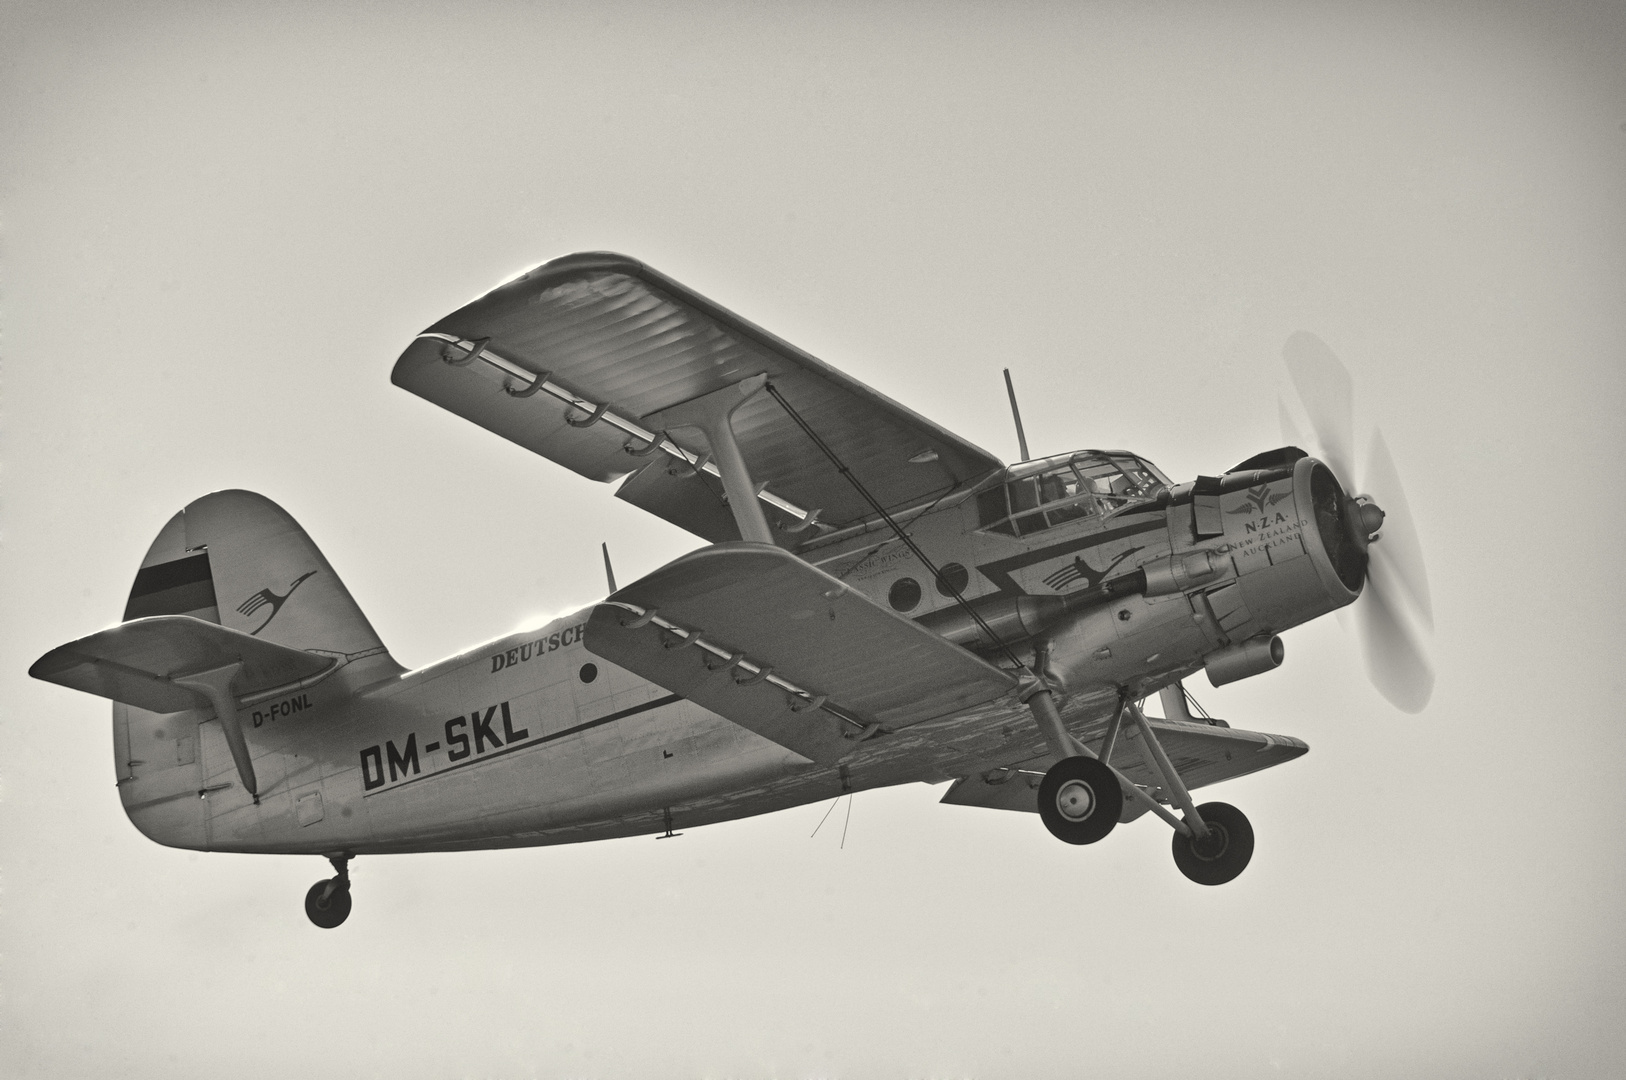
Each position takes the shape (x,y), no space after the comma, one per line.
(880,602)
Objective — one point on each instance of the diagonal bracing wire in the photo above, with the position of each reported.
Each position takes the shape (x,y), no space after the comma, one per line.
(896,528)
(823,819)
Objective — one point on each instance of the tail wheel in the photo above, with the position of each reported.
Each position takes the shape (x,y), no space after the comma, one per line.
(1223,853)
(1080,800)
(327,904)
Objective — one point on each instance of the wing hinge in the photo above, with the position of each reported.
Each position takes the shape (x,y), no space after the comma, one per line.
(581,413)
(743,670)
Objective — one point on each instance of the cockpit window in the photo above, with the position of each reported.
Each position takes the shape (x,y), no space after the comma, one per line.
(1057,490)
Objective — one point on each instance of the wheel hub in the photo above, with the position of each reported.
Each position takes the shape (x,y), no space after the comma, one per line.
(1211,847)
(1075,800)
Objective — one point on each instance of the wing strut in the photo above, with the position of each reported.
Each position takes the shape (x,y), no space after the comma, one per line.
(215,684)
(1158,759)
(713,414)
(171,663)
(1042,703)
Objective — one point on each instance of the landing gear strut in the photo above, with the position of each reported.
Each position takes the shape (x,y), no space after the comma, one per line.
(328,901)
(1082,795)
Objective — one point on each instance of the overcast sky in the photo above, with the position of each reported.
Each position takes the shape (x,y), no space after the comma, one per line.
(223,222)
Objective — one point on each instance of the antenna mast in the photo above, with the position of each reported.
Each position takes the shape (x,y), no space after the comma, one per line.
(1016,414)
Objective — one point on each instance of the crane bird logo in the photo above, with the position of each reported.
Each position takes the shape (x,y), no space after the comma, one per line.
(265,597)
(1079,570)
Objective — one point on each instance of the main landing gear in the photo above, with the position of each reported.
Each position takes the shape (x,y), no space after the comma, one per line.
(1082,796)
(328,901)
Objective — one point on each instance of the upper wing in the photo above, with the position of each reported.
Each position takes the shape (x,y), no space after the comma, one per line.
(782,648)
(601,331)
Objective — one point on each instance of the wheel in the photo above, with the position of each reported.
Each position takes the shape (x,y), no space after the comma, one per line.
(1080,800)
(330,912)
(1225,852)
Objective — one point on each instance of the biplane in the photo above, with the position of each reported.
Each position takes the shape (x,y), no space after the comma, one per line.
(878,602)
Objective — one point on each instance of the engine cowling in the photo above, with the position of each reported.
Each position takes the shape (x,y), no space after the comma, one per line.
(1247,564)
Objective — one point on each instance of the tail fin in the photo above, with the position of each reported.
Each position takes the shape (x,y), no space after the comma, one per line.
(237,559)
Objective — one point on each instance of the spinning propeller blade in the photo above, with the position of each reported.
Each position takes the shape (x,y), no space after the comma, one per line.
(1327,394)
(1290,431)
(1398,548)
(1394,656)
(1396,661)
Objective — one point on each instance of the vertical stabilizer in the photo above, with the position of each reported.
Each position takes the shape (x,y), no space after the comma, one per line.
(237,559)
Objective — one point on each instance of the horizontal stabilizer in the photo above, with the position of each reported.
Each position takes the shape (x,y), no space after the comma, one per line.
(754,634)
(1203,754)
(137,662)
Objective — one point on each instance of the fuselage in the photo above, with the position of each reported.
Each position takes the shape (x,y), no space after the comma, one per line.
(533,739)
(514,743)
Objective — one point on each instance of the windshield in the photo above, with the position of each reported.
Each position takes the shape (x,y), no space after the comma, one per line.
(1048,493)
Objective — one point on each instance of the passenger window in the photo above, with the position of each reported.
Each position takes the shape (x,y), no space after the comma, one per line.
(994,511)
(992,507)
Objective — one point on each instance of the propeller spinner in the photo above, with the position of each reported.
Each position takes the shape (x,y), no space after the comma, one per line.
(1396,591)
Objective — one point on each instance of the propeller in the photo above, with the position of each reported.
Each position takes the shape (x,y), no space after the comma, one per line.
(1396,593)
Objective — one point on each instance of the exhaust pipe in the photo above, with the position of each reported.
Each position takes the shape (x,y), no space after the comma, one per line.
(1252,657)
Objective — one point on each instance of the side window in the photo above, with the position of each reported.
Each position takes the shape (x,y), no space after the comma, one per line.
(1120,480)
(1024,499)
(1036,503)
(994,510)
(1111,484)
(1141,480)
(1071,512)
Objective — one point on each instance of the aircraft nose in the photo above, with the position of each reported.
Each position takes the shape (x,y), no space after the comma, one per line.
(1340,523)
(1370,516)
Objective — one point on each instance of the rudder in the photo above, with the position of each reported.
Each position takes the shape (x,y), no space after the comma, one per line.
(238,559)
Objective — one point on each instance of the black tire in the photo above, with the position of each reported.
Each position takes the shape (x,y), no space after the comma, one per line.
(331,912)
(1080,800)
(1225,853)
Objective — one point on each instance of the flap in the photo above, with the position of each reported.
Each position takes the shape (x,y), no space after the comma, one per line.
(795,635)
(608,330)
(1201,753)
(135,662)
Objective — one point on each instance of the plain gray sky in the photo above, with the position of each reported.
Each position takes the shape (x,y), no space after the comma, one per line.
(223,222)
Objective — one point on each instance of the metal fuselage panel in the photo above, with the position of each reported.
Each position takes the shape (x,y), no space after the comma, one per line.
(507,745)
